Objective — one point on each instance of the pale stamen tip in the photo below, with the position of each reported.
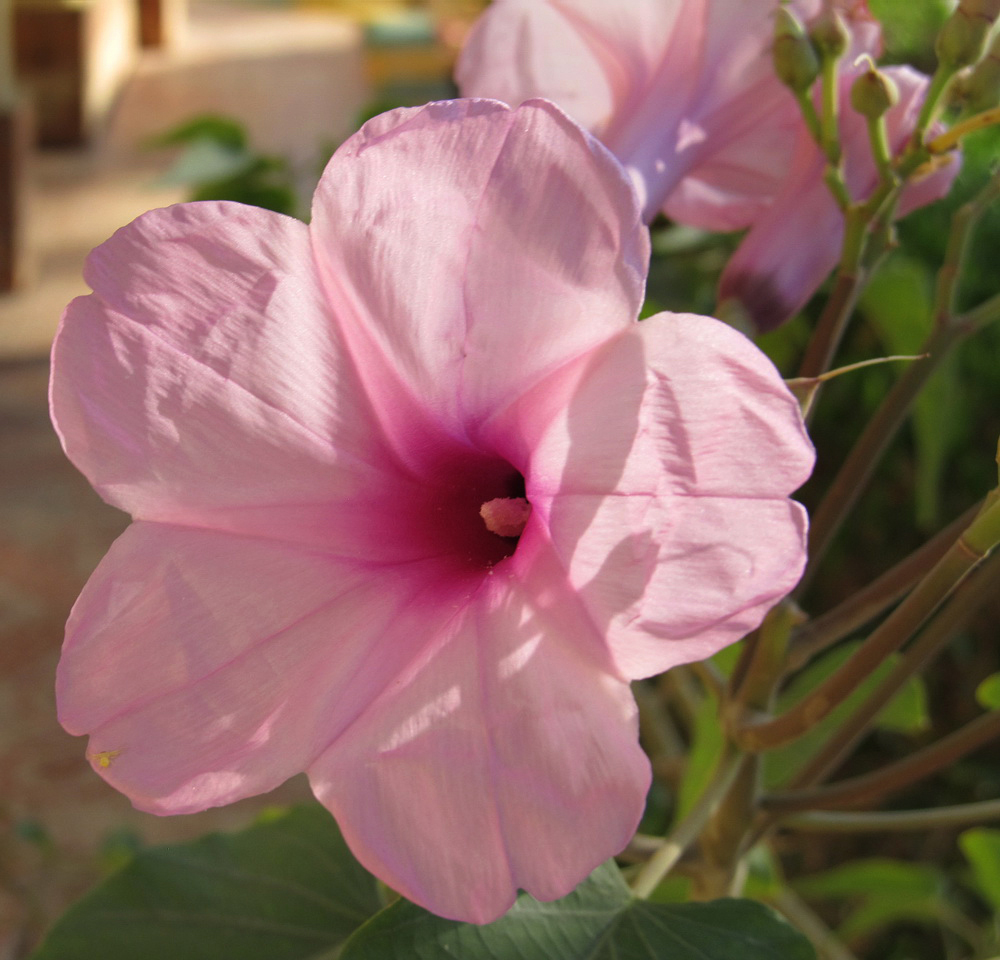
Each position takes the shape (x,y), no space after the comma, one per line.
(506,516)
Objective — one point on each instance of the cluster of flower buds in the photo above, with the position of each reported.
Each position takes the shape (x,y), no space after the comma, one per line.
(799,54)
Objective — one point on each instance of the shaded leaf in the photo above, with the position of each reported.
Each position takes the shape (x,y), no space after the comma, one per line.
(981,847)
(284,889)
(598,921)
(875,876)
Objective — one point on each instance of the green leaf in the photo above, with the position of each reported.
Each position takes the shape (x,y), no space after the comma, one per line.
(707,745)
(284,889)
(884,892)
(598,921)
(876,876)
(981,847)
(988,693)
(205,161)
(906,713)
(225,131)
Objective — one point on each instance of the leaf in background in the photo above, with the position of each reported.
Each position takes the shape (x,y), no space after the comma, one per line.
(981,847)
(205,161)
(905,713)
(898,304)
(286,888)
(871,877)
(225,131)
(707,745)
(598,921)
(884,891)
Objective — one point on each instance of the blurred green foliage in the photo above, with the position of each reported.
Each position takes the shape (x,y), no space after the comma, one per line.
(218,163)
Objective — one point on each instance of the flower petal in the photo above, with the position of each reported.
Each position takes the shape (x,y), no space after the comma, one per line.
(453,231)
(213,667)
(509,761)
(662,470)
(205,374)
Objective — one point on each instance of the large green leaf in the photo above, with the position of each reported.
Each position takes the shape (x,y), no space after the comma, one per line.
(286,888)
(598,921)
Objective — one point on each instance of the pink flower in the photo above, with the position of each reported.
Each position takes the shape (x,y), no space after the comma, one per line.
(329,438)
(683,92)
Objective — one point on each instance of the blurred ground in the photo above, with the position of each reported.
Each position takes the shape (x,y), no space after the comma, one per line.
(60,826)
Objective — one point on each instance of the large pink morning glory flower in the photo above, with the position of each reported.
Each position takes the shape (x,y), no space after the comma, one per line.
(684,93)
(415,497)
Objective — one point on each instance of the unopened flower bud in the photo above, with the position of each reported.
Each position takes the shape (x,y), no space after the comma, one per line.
(873,93)
(962,38)
(980,88)
(986,9)
(830,33)
(795,59)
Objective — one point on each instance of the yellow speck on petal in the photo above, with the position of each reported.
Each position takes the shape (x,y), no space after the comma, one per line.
(105,758)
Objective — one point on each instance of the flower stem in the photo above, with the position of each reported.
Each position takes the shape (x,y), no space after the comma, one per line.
(899,626)
(951,138)
(859,465)
(896,776)
(836,821)
(686,832)
(967,599)
(938,85)
(879,138)
(801,916)
(830,111)
(824,631)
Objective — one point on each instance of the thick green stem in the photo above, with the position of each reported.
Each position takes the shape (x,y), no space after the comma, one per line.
(859,465)
(832,324)
(897,776)
(830,111)
(969,596)
(686,832)
(898,627)
(879,139)
(938,86)
(867,603)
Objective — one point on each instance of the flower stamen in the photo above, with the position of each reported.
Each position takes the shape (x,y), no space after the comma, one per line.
(506,516)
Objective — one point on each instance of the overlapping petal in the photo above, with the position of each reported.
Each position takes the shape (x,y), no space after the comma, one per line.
(663,479)
(458,262)
(682,91)
(213,667)
(508,761)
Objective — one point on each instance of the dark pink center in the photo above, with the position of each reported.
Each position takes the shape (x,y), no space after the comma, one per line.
(449,523)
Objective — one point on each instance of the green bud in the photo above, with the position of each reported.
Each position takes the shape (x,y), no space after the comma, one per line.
(988,10)
(795,59)
(830,33)
(873,93)
(980,88)
(962,38)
